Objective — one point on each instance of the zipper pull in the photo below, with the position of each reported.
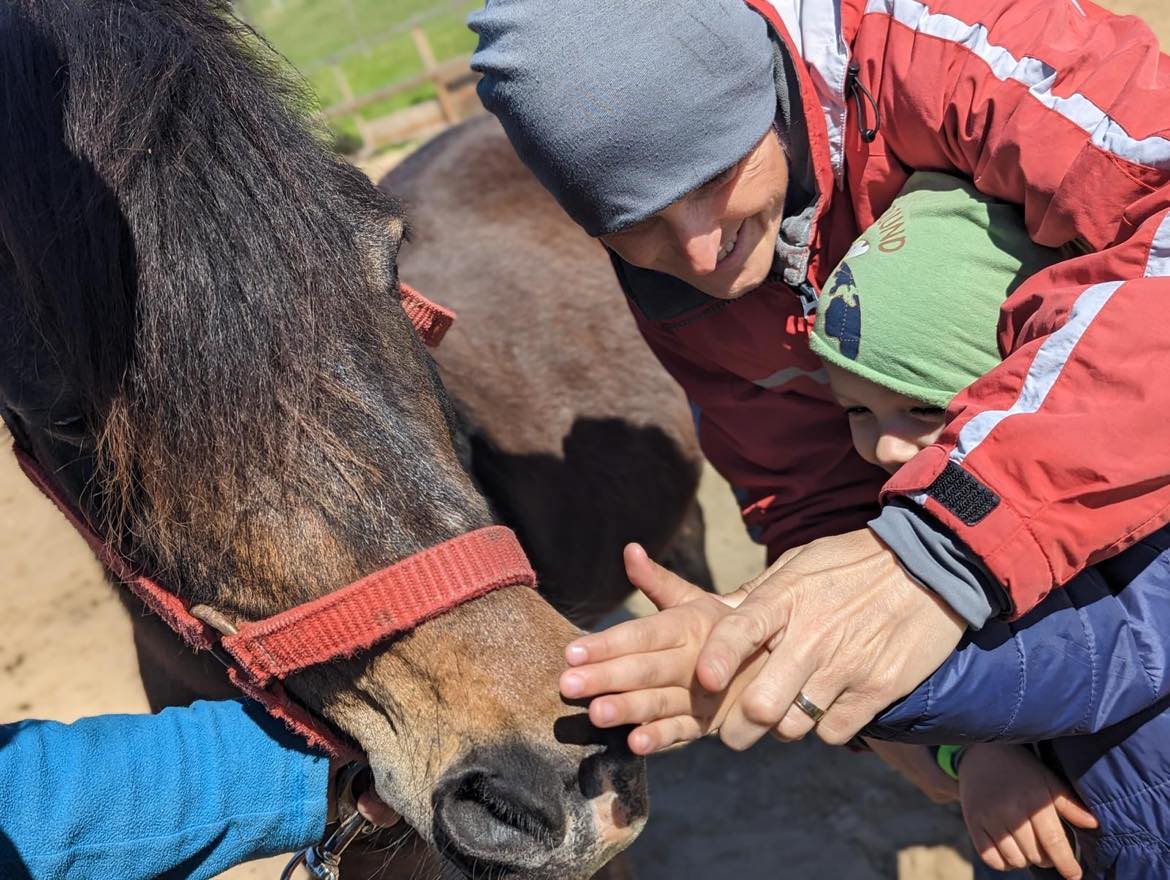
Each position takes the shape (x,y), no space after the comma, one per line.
(854,87)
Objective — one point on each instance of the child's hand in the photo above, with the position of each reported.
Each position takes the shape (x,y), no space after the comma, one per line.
(647,667)
(1013,806)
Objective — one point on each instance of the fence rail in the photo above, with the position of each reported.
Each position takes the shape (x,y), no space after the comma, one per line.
(335,73)
(446,76)
(454,84)
(363,45)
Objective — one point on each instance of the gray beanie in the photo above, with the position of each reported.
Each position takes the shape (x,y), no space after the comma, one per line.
(622,107)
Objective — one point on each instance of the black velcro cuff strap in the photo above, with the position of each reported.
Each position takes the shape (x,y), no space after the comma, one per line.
(963,495)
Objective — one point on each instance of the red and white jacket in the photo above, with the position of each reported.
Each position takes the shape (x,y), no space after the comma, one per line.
(1058,458)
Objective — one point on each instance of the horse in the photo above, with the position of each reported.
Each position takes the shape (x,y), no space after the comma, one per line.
(577,433)
(208,355)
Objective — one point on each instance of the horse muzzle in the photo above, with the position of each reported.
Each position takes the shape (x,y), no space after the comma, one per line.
(514,812)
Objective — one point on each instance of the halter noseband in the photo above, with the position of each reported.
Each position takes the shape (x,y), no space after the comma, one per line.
(260,654)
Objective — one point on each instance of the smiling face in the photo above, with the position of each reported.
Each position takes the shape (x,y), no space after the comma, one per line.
(888,428)
(721,237)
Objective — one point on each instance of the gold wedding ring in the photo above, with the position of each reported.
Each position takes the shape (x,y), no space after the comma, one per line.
(808,707)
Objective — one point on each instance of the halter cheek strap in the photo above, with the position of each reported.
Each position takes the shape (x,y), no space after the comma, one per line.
(261,654)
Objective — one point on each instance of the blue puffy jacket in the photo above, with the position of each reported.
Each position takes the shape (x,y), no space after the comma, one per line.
(1088,674)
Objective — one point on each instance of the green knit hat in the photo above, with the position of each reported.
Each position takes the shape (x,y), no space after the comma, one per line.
(914,306)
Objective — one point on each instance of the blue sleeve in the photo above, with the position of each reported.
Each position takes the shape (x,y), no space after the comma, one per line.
(185,793)
(1091,655)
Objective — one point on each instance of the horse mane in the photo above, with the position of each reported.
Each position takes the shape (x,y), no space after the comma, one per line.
(214,283)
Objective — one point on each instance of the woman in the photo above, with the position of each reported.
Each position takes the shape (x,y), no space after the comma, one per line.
(728,154)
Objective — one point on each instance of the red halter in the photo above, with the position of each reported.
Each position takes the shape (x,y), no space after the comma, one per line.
(431,321)
(260,654)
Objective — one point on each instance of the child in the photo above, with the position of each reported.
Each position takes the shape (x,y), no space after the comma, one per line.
(894,361)
(895,394)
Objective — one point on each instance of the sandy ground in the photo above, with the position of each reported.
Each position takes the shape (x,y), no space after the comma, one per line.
(801,810)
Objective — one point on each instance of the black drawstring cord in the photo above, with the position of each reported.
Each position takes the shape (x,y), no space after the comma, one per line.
(854,87)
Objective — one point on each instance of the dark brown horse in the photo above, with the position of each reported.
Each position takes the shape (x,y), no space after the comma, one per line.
(578,435)
(205,348)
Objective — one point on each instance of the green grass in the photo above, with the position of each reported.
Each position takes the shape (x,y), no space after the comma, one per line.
(311,32)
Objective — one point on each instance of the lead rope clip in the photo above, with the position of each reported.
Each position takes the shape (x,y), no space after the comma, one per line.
(323,862)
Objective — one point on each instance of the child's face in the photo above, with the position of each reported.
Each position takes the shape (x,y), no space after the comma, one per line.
(888,428)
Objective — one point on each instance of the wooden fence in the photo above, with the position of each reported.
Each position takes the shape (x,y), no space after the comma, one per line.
(454,84)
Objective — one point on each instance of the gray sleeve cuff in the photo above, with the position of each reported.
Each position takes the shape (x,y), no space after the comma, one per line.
(940,562)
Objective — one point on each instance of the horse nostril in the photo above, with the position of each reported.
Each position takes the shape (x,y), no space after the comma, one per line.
(619,770)
(499,811)
(505,811)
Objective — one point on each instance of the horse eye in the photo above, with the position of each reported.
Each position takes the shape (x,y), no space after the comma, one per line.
(69,428)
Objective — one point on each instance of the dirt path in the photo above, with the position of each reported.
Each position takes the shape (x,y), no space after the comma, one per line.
(799,810)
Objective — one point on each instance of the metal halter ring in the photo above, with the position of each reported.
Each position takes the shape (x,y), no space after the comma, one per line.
(808,707)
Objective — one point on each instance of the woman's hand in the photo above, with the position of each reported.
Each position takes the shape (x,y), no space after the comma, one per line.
(845,625)
(1013,805)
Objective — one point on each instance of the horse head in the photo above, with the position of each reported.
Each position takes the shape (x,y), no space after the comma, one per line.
(210,358)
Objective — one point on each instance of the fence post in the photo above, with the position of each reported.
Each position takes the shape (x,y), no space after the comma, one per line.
(346,90)
(342,82)
(446,101)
